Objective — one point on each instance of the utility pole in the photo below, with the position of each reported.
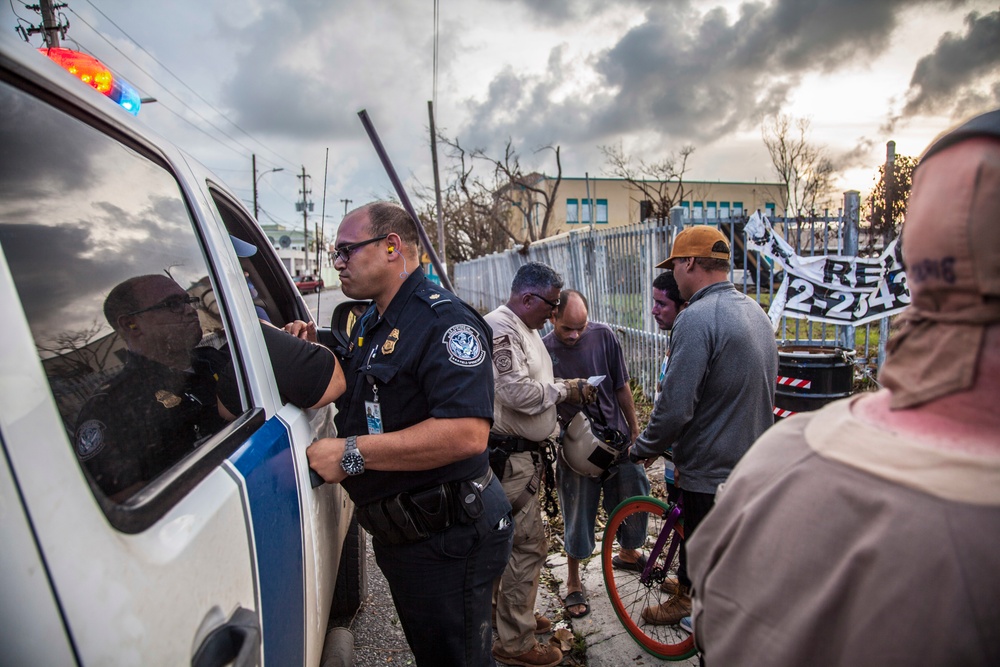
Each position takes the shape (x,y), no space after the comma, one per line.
(305,191)
(253,160)
(49,23)
(257,178)
(346,202)
(51,26)
(437,188)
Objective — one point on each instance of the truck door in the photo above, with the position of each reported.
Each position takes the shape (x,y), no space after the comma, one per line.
(137,494)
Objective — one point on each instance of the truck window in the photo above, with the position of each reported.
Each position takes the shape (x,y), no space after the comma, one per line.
(117,293)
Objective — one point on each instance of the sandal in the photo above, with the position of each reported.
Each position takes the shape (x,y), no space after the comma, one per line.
(576,599)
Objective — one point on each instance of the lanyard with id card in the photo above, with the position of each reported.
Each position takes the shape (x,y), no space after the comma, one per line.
(373,413)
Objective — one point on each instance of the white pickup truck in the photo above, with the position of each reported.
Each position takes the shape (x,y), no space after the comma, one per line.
(224,554)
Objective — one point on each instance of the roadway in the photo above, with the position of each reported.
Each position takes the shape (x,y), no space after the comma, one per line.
(321,304)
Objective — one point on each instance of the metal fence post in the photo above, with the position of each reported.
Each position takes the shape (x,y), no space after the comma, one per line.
(852,209)
(677,217)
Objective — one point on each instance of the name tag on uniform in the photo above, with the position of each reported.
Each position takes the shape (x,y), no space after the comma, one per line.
(373,414)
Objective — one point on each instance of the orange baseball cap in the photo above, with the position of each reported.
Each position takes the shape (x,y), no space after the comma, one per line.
(698,241)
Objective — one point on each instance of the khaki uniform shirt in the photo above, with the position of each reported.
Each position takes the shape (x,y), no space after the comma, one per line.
(525,397)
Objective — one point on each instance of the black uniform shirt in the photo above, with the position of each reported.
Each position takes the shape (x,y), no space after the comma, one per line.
(302,371)
(427,356)
(147,418)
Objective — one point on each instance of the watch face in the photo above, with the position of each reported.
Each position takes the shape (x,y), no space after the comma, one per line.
(353,463)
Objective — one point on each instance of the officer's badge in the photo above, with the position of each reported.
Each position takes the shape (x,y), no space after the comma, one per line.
(464,348)
(89,439)
(434,297)
(390,343)
(168,399)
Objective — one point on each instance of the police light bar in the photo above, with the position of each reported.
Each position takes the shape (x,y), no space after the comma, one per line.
(95,74)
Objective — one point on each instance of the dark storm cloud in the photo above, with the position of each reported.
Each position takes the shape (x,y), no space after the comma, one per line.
(693,75)
(306,69)
(556,12)
(947,78)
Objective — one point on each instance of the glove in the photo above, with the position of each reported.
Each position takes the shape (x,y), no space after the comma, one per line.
(578,391)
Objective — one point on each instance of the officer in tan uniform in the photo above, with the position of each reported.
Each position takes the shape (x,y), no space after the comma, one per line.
(524,417)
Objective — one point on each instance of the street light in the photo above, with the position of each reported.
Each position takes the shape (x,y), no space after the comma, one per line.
(256,179)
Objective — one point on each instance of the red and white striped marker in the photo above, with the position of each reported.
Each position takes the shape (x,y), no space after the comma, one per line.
(794,382)
(778,412)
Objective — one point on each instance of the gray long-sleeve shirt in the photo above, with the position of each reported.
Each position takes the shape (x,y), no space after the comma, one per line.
(718,392)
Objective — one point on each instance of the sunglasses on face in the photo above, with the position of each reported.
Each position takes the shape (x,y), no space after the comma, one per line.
(551,304)
(175,304)
(343,253)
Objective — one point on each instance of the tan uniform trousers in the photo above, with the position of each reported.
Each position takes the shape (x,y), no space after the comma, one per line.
(518,586)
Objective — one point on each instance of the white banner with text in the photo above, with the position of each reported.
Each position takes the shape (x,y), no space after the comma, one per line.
(836,289)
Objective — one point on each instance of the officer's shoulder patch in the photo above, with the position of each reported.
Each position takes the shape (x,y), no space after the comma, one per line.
(434,298)
(90,439)
(501,341)
(503,360)
(463,345)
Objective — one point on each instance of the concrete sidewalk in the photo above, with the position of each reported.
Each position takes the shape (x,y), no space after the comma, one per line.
(608,645)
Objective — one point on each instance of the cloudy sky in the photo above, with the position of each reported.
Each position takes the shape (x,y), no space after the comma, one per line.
(285,80)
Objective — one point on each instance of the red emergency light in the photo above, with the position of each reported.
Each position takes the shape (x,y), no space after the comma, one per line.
(95,74)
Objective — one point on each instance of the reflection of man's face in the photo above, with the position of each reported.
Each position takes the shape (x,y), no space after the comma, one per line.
(664,309)
(169,329)
(569,326)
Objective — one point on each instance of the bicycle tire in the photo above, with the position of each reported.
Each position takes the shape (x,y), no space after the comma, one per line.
(629,595)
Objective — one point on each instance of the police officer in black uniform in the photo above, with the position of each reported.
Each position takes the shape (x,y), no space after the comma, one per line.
(415,419)
(163,403)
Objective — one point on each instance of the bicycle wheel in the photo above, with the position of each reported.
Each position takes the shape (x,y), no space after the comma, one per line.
(629,592)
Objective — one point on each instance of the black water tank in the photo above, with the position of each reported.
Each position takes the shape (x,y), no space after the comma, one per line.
(811,376)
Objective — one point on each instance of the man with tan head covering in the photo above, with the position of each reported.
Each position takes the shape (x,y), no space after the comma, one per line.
(868,533)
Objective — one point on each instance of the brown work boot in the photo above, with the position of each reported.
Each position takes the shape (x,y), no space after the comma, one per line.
(539,656)
(671,611)
(542,624)
(669,585)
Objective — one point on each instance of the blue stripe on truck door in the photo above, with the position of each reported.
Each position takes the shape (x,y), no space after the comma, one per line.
(266,463)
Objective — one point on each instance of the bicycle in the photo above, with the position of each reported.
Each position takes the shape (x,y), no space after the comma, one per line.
(632,591)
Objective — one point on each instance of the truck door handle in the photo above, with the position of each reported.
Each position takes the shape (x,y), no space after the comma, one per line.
(236,641)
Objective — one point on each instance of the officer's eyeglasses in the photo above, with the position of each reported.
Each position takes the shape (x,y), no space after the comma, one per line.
(175,304)
(552,304)
(343,253)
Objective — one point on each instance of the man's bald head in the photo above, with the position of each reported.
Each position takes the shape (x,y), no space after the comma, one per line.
(570,318)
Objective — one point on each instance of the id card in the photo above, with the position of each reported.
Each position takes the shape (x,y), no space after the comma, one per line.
(373,414)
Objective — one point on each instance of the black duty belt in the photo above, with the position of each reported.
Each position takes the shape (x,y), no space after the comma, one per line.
(413,516)
(513,443)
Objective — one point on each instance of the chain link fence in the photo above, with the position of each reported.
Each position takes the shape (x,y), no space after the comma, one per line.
(615,267)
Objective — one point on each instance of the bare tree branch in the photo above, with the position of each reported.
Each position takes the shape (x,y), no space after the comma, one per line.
(804,170)
(661,182)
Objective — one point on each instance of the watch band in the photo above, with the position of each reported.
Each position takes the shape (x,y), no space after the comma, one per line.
(352,461)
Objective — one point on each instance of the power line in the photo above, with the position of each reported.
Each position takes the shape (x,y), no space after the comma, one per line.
(182,82)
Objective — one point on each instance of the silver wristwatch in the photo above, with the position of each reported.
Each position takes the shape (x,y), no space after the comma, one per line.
(352,462)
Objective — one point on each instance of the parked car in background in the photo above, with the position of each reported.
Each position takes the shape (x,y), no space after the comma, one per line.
(223,554)
(308,284)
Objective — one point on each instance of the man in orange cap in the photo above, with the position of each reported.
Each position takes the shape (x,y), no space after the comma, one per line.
(718,390)
(868,532)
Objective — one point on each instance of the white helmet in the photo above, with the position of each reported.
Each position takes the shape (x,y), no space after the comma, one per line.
(587,454)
